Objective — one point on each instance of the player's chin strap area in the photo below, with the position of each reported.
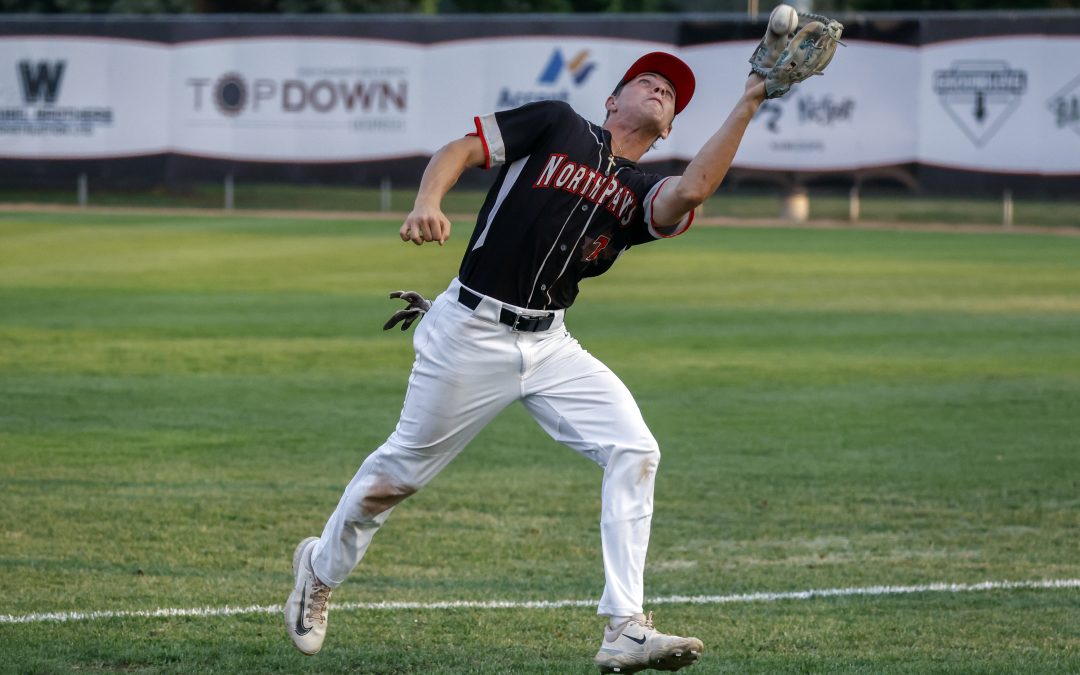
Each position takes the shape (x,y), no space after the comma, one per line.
(522,323)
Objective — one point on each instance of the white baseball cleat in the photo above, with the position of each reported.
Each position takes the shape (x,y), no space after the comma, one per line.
(306,608)
(636,645)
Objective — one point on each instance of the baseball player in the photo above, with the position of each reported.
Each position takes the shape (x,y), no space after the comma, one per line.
(569,199)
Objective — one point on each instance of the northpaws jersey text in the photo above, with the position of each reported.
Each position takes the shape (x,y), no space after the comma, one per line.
(563,174)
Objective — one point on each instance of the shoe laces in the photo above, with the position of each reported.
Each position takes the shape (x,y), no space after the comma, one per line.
(646,621)
(320,602)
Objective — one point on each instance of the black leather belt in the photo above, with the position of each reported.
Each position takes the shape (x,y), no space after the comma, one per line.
(525,323)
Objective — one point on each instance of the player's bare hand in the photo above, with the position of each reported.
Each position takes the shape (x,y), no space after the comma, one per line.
(425,224)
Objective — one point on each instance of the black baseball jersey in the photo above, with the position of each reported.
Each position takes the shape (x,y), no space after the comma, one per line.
(562,208)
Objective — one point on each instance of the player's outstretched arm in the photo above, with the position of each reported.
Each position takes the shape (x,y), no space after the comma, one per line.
(427,222)
(682,194)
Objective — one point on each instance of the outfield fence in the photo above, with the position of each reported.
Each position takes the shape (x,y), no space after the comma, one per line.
(939,102)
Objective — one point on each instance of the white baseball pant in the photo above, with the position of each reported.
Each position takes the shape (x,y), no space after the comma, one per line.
(468,368)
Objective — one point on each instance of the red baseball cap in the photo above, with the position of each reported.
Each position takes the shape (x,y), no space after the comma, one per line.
(671,67)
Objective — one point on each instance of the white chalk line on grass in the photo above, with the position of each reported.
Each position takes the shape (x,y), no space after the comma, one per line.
(202,612)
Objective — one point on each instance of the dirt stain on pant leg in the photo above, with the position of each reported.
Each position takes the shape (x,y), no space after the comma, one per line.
(647,470)
(384,495)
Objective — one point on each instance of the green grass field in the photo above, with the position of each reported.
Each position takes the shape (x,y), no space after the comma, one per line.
(183,398)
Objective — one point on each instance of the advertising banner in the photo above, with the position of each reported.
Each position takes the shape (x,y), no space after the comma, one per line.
(81,97)
(297,100)
(1002,104)
(859,116)
(1006,104)
(475,77)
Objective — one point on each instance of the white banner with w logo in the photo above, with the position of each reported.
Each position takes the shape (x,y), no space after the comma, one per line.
(74,98)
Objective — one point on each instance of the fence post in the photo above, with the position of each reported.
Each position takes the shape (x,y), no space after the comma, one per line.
(385,195)
(82,190)
(229,191)
(796,205)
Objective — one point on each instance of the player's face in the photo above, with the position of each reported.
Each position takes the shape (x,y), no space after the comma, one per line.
(651,96)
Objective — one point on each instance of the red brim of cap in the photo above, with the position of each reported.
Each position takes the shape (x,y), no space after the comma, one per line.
(671,67)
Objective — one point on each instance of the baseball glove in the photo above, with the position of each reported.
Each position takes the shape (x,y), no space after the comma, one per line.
(784,62)
(418,306)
